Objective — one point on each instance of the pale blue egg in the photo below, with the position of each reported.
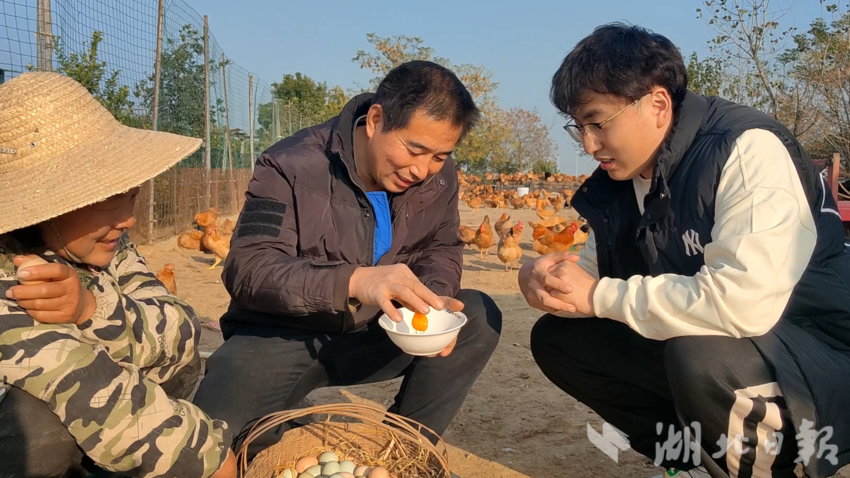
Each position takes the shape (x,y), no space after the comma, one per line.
(330,468)
(328,457)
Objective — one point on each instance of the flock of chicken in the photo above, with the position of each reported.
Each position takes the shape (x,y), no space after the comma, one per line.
(214,238)
(551,234)
(518,178)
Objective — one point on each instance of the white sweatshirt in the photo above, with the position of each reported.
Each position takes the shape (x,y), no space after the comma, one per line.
(761,243)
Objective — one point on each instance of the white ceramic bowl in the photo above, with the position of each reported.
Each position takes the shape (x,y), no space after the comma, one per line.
(443,327)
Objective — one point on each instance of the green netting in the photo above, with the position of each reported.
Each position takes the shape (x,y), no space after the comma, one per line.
(110,47)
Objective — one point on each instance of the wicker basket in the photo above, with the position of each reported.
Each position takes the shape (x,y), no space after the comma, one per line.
(367,442)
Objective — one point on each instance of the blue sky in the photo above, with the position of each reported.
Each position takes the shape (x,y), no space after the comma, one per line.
(521,41)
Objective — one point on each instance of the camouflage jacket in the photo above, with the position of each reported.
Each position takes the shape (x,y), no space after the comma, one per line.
(102,378)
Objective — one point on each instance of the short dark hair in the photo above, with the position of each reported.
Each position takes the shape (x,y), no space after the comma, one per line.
(30,238)
(427,85)
(622,60)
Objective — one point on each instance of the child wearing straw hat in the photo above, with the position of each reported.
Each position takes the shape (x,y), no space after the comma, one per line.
(96,357)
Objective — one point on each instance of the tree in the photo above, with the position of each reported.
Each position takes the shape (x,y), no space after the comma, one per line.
(705,77)
(757,71)
(309,98)
(181,87)
(299,101)
(821,60)
(749,38)
(529,143)
(181,97)
(337,98)
(393,51)
(87,69)
(486,147)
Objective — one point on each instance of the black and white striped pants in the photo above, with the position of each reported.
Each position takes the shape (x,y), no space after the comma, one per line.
(643,387)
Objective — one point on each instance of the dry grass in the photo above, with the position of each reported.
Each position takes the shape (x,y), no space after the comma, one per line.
(401,458)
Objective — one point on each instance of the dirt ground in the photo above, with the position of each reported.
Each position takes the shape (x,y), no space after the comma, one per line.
(514,423)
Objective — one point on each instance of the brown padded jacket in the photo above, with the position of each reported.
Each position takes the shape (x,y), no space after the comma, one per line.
(307,224)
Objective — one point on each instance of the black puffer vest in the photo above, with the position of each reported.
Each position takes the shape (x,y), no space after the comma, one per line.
(671,235)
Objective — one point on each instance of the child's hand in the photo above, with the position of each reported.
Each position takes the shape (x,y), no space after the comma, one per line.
(52,293)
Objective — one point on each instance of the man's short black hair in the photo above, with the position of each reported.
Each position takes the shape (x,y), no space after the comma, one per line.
(622,60)
(427,85)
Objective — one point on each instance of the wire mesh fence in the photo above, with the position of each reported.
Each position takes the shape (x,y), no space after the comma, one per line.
(187,85)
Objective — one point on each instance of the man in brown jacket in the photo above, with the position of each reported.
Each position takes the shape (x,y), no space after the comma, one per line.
(343,220)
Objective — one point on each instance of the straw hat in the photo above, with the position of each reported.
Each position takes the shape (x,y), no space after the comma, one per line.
(61,150)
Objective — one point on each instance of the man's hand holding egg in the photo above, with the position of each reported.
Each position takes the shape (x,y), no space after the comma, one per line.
(382,285)
(51,293)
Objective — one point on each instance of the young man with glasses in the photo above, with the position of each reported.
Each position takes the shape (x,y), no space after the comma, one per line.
(712,298)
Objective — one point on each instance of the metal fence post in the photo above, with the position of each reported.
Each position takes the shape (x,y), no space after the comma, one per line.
(227,132)
(44,36)
(273,126)
(225,142)
(277,116)
(207,141)
(155,112)
(251,120)
(226,113)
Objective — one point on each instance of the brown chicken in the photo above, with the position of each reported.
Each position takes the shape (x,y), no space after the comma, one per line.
(190,240)
(542,212)
(548,222)
(509,251)
(467,235)
(539,231)
(484,236)
(499,201)
(227,227)
(580,236)
(558,227)
(558,202)
(474,203)
(568,194)
(503,225)
(219,245)
(166,276)
(207,218)
(558,242)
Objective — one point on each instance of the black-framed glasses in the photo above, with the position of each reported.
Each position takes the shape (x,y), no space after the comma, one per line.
(577,132)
